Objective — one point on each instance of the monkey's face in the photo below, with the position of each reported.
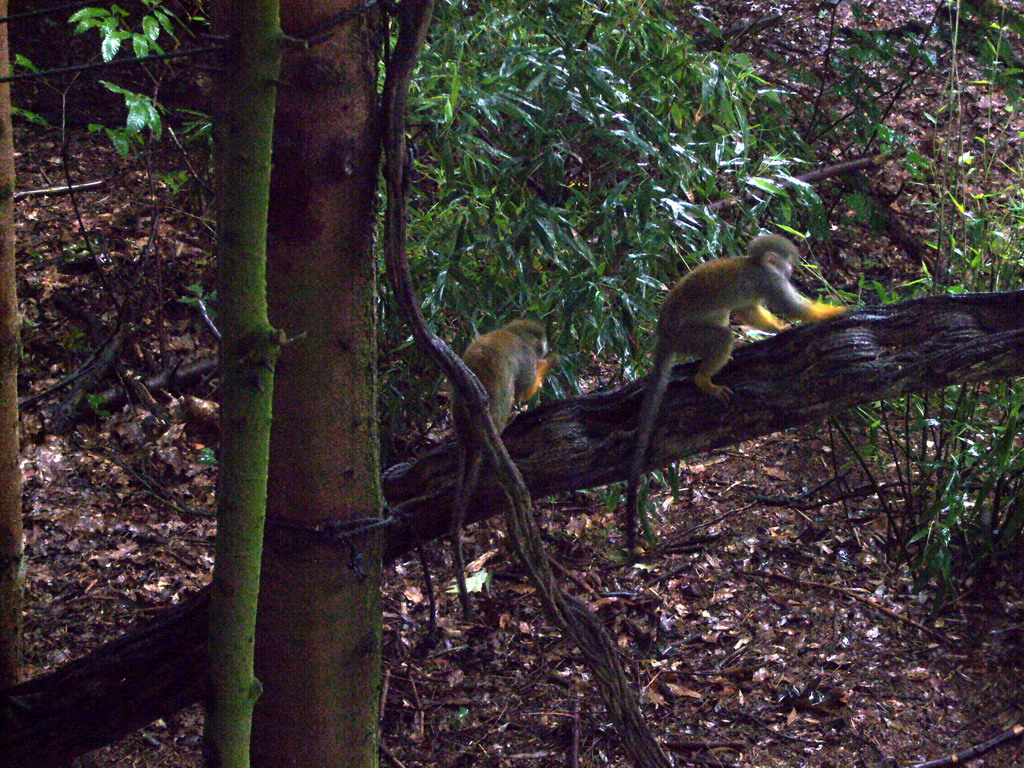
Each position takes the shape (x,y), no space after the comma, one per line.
(778,262)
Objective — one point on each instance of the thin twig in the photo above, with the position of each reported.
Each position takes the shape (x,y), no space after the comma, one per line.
(86,368)
(428,582)
(321,31)
(811,177)
(205,312)
(391,756)
(44,11)
(113,63)
(385,687)
(64,189)
(574,744)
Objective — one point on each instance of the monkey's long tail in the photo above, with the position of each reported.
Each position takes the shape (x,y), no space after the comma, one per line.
(468,476)
(645,427)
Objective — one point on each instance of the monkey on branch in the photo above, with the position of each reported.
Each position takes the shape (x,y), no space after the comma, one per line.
(510,364)
(694,321)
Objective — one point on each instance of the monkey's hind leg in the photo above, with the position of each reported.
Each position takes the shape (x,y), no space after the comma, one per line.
(468,475)
(714,347)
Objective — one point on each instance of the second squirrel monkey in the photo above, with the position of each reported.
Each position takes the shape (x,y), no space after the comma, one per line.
(694,321)
(511,365)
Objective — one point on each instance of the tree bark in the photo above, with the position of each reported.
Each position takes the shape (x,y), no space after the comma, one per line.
(798,377)
(12,561)
(248,350)
(318,638)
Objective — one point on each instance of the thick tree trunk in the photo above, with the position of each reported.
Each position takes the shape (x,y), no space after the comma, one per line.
(248,349)
(796,378)
(12,563)
(319,623)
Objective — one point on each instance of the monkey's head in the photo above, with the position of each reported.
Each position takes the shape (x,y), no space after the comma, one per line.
(773,252)
(532,333)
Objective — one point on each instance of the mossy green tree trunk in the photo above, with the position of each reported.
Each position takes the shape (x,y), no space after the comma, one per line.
(248,350)
(319,623)
(12,563)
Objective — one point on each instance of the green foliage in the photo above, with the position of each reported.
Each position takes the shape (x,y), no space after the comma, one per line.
(952,461)
(853,84)
(197,294)
(563,153)
(958,459)
(143,118)
(958,456)
(22,64)
(96,403)
(115,27)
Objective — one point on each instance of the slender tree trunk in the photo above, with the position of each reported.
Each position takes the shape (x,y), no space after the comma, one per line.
(248,352)
(319,623)
(12,563)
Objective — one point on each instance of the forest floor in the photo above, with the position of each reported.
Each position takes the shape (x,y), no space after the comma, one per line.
(771,622)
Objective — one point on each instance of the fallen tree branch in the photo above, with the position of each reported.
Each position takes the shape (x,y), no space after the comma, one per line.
(105,361)
(177,375)
(64,189)
(976,751)
(47,720)
(818,174)
(797,377)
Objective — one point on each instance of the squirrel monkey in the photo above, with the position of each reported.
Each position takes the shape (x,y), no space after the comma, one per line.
(694,320)
(511,365)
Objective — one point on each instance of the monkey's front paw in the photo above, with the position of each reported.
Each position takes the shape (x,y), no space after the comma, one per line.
(822,311)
